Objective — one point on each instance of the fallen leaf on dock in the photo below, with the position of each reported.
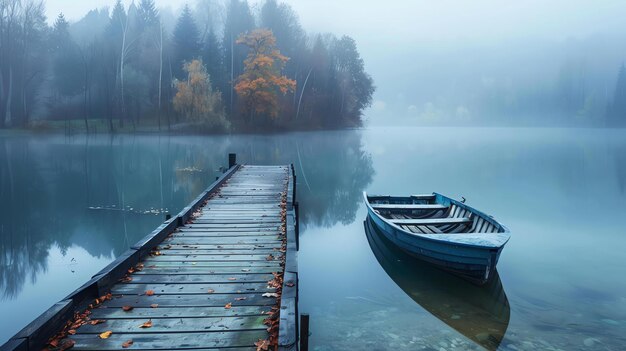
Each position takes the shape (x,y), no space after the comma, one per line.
(127,308)
(232,278)
(126,279)
(245,270)
(106,334)
(270,257)
(71,331)
(154,305)
(240,298)
(228,306)
(96,321)
(149,292)
(270,295)
(147,324)
(290,284)
(127,344)
(210,291)
(262,345)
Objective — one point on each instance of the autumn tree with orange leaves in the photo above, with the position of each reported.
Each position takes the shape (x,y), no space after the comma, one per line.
(196,100)
(262,81)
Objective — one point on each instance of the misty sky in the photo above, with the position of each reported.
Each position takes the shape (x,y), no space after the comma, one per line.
(422,20)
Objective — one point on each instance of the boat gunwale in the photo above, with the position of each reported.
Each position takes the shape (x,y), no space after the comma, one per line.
(432,237)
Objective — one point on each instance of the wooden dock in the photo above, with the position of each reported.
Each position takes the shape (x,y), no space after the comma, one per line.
(220,275)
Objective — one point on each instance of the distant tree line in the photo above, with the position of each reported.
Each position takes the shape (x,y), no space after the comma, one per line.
(127,68)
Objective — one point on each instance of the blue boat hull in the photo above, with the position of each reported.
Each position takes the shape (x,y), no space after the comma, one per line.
(474,263)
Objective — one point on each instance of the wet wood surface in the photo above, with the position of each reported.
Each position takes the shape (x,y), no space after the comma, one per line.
(206,285)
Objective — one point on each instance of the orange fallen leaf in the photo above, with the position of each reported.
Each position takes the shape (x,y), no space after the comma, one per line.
(232,278)
(154,305)
(127,308)
(71,331)
(127,344)
(147,324)
(106,334)
(228,306)
(262,345)
(149,292)
(210,291)
(96,321)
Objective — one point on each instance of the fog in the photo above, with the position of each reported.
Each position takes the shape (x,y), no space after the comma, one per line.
(478,62)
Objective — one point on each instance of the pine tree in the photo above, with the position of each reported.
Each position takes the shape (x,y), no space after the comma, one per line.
(147,15)
(60,32)
(118,20)
(186,41)
(66,77)
(212,57)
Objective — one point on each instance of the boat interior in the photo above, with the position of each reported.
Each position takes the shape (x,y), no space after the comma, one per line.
(432,214)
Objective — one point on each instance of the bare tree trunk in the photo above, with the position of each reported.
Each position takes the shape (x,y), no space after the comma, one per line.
(302,92)
(232,77)
(160,70)
(86,82)
(122,60)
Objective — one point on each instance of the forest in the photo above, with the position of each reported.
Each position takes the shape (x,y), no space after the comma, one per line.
(212,68)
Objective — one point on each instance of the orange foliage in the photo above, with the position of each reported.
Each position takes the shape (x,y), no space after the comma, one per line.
(261,82)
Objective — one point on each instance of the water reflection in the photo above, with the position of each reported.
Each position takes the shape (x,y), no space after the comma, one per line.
(49,189)
(481,313)
(103,193)
(333,169)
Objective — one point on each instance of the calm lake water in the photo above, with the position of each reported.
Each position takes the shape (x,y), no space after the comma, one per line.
(69,206)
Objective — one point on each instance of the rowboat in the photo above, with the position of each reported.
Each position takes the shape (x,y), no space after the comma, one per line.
(479,312)
(443,231)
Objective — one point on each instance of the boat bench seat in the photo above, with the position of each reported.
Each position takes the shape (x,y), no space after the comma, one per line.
(407,207)
(432,221)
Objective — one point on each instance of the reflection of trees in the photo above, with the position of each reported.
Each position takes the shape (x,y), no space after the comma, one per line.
(332,169)
(48,183)
(47,186)
(22,251)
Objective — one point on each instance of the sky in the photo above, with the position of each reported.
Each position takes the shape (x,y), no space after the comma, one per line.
(428,20)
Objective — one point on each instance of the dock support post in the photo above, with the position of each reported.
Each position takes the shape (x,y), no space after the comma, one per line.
(304,332)
(232,160)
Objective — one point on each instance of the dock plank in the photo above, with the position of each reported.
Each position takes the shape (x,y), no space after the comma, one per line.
(207,278)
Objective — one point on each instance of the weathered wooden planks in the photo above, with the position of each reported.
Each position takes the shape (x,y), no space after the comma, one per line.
(203,276)
(222,260)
